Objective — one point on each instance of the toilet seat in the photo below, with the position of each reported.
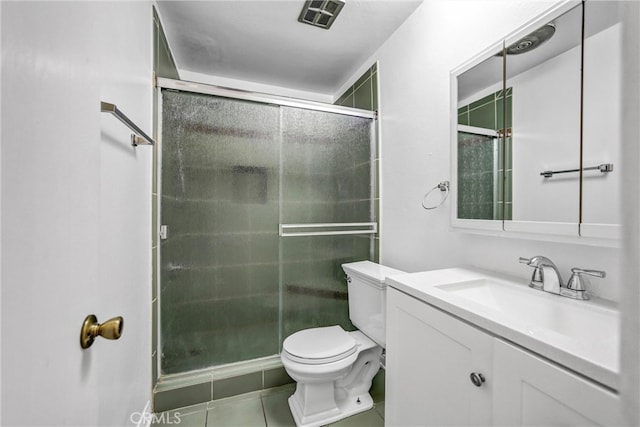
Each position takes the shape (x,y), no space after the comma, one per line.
(317,346)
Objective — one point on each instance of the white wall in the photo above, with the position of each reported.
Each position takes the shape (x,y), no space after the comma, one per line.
(0,226)
(414,67)
(630,129)
(76,218)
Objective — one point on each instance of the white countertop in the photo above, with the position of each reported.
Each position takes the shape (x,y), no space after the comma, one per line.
(580,335)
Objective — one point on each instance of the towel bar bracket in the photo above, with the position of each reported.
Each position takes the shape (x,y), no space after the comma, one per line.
(138,140)
(138,137)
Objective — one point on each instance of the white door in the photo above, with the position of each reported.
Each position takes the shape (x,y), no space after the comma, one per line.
(430,358)
(531,391)
(76,213)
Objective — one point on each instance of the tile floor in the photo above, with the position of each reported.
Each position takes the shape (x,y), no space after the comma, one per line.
(267,408)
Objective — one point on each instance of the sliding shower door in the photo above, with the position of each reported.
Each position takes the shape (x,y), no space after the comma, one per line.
(327,193)
(219,264)
(233,175)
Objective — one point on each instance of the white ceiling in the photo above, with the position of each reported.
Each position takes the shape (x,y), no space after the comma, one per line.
(263,42)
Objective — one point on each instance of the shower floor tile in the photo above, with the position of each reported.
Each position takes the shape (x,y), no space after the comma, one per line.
(268,408)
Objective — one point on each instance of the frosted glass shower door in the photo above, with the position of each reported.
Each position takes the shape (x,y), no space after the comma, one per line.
(327,171)
(480,173)
(219,265)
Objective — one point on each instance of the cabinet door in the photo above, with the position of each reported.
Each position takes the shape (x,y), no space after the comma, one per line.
(430,356)
(529,390)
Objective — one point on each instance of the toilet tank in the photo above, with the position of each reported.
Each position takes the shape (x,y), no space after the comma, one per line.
(367,297)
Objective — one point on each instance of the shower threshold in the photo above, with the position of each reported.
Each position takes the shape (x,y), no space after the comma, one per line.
(218,382)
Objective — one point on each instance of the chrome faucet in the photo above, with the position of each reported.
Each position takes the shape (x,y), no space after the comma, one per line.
(546,276)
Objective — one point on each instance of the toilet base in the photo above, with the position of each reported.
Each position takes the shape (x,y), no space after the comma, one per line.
(350,406)
(329,392)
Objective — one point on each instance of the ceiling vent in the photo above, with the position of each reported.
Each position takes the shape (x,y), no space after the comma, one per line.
(320,13)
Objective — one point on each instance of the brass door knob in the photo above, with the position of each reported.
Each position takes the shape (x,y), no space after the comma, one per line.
(111,329)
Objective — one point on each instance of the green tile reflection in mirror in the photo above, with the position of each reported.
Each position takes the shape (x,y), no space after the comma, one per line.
(476,177)
(482,159)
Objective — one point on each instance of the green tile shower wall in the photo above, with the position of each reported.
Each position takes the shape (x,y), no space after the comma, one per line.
(475,196)
(231,288)
(363,94)
(163,63)
(314,291)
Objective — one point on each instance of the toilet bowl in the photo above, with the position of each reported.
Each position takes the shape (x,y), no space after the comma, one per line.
(334,368)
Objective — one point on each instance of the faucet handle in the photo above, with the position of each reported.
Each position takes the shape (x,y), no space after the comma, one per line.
(537,261)
(577,285)
(537,279)
(596,273)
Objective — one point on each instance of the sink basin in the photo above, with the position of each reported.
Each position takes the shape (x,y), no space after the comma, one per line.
(574,319)
(582,335)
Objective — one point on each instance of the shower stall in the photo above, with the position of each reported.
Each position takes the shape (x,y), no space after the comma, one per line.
(261,199)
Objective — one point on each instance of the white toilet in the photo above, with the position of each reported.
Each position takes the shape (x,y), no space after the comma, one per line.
(334,368)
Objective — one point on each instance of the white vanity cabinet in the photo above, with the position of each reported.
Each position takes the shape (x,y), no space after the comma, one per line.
(431,356)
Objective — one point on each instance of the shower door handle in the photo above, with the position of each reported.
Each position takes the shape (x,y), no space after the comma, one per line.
(327,229)
(164,232)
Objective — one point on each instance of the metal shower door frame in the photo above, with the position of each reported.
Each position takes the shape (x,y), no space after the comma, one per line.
(204,89)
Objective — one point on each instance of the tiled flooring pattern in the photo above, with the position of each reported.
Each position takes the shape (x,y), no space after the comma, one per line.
(267,408)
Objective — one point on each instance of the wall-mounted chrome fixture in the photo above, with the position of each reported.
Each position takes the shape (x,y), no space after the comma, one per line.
(320,13)
(605,167)
(139,138)
(444,191)
(327,229)
(533,40)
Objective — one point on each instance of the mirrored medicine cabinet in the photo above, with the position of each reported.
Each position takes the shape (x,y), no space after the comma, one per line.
(536,129)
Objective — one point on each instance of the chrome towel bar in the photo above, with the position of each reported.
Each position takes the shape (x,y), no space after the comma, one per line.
(140,138)
(605,167)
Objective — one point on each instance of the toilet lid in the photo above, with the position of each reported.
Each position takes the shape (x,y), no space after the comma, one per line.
(320,345)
